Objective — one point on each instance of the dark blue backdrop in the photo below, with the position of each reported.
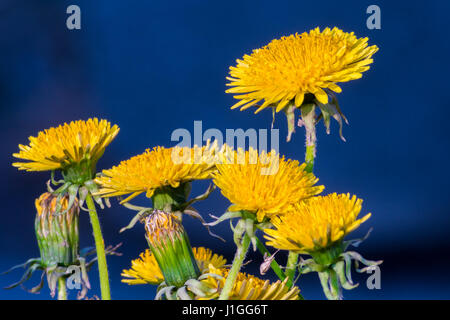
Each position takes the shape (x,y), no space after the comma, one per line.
(152,67)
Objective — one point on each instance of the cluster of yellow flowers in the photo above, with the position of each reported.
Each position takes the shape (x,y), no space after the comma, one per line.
(267,191)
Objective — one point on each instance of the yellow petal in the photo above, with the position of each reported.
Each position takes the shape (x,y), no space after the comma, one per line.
(299,99)
(335,87)
(321,96)
(281,105)
(240,103)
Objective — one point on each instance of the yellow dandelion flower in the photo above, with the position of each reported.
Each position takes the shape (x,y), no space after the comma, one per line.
(249,287)
(288,68)
(145,269)
(264,183)
(316,223)
(154,169)
(205,257)
(66,145)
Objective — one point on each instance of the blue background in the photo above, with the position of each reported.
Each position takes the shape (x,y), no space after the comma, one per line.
(155,66)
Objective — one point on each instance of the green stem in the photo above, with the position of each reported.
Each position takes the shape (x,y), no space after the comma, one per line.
(310,155)
(237,263)
(100,247)
(291,266)
(62,292)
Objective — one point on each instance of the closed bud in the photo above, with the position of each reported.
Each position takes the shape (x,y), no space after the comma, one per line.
(170,245)
(57,230)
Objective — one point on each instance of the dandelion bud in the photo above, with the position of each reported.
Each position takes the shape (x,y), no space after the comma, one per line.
(57,234)
(170,245)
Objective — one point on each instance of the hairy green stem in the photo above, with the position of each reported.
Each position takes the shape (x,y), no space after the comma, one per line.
(291,266)
(310,155)
(237,263)
(62,292)
(100,247)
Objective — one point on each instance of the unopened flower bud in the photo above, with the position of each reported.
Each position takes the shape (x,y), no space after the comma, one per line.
(170,245)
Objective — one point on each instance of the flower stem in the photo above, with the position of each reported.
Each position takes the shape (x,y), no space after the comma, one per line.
(310,155)
(291,267)
(237,263)
(62,292)
(100,247)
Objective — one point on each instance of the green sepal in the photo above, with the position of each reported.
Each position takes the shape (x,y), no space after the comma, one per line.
(140,216)
(332,110)
(328,256)
(35,265)
(227,215)
(80,172)
(333,265)
(344,279)
(169,199)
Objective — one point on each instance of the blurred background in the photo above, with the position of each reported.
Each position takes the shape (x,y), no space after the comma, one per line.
(152,67)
